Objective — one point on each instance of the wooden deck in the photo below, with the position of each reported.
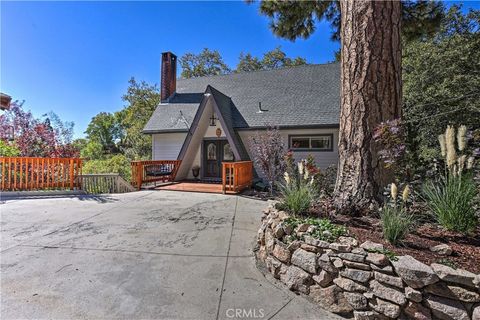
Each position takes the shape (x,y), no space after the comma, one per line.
(194,187)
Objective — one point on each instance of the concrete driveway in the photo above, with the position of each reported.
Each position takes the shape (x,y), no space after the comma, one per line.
(149,255)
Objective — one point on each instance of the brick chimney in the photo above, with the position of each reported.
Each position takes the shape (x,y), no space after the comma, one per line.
(168,75)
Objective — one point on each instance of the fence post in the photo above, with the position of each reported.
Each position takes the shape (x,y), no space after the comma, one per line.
(71,174)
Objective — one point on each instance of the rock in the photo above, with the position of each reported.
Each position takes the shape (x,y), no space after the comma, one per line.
(302,227)
(368,315)
(384,307)
(316,242)
(311,229)
(331,299)
(294,245)
(387,293)
(340,247)
(278,232)
(413,294)
(442,249)
(262,253)
(288,229)
(310,248)
(459,276)
(324,263)
(356,300)
(357,275)
(282,253)
(349,241)
(390,280)
(476,313)
(476,281)
(294,278)
(323,278)
(359,251)
(446,309)
(352,257)
(357,265)
(269,241)
(377,259)
(282,215)
(386,269)
(338,263)
(274,266)
(305,260)
(451,291)
(417,311)
(413,272)
(369,245)
(349,285)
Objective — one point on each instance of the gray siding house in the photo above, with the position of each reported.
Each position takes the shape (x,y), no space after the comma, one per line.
(208,120)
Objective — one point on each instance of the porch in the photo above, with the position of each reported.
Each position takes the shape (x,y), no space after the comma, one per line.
(236,177)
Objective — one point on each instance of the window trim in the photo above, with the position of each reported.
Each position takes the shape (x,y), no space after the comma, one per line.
(310,136)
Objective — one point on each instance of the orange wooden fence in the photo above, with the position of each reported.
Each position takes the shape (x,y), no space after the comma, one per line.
(26,173)
(237,176)
(153,170)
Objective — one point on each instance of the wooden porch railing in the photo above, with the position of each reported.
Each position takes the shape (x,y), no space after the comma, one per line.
(105,183)
(237,176)
(28,173)
(153,171)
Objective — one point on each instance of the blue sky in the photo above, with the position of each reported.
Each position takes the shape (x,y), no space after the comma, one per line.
(75,58)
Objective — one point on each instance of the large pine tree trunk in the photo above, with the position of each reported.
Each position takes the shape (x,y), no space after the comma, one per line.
(371,93)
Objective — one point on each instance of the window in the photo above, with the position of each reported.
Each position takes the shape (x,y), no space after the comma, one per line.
(227,153)
(322,142)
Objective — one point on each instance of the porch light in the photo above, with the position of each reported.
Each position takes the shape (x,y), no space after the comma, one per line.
(213,120)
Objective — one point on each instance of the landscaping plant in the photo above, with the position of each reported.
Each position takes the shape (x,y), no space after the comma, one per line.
(451,197)
(396,221)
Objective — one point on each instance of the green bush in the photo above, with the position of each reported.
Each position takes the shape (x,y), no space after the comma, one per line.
(324,228)
(114,164)
(297,200)
(451,200)
(396,224)
(8,150)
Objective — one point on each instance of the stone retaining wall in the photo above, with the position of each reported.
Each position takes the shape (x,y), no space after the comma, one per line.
(352,279)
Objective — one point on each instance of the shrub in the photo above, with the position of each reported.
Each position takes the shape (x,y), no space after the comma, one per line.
(323,229)
(297,200)
(396,224)
(451,200)
(8,149)
(114,164)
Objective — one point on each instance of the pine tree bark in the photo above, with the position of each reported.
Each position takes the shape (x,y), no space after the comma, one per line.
(371,92)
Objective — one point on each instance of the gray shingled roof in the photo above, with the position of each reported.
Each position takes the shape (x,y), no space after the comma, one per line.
(297,96)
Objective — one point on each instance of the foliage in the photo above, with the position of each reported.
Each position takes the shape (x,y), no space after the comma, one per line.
(104,130)
(8,149)
(268,151)
(448,263)
(441,81)
(274,59)
(396,223)
(112,164)
(47,137)
(323,229)
(451,200)
(206,63)
(297,200)
(297,19)
(141,100)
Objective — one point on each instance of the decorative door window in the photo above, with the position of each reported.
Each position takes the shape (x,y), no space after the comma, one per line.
(212,151)
(227,153)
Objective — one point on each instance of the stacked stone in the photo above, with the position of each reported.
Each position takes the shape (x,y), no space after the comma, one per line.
(347,278)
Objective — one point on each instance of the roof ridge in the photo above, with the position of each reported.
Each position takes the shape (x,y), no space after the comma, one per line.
(308,65)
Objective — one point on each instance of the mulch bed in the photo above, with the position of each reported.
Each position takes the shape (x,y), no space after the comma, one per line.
(466,249)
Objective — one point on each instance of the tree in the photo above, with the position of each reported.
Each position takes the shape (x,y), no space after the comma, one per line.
(441,81)
(247,63)
(104,130)
(141,100)
(276,58)
(371,92)
(206,63)
(48,137)
(293,19)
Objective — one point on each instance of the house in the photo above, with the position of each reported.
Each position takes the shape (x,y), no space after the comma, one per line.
(205,121)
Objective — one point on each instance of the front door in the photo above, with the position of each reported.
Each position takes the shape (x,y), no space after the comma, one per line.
(214,153)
